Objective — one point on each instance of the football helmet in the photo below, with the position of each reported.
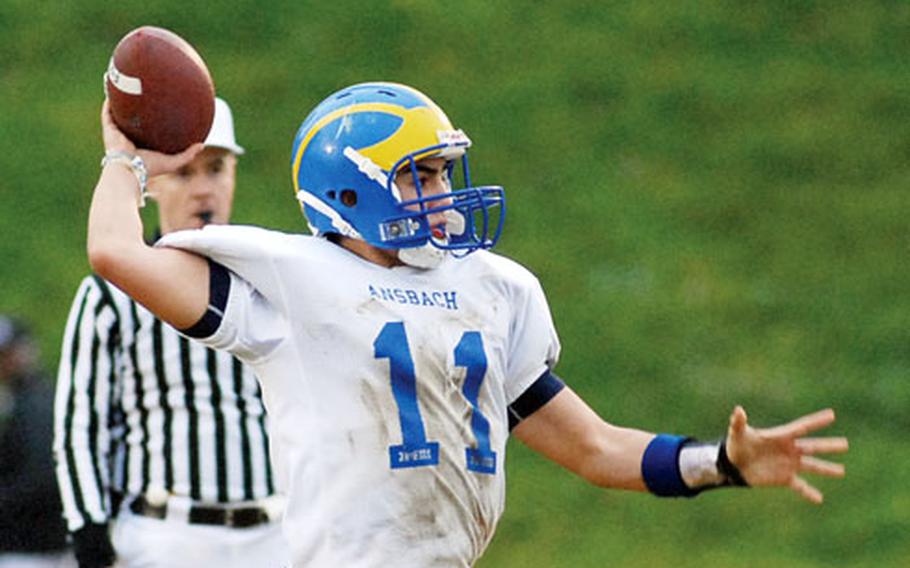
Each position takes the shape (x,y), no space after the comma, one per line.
(347,154)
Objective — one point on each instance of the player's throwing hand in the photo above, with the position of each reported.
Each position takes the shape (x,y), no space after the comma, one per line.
(156,162)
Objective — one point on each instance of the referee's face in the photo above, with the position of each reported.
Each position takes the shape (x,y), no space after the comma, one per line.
(198,194)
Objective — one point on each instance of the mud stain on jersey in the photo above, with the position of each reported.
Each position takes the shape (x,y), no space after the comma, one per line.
(373,403)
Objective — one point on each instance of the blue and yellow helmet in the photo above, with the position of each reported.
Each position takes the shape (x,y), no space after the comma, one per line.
(348,151)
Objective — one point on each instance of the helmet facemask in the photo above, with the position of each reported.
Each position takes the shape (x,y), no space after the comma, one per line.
(471,217)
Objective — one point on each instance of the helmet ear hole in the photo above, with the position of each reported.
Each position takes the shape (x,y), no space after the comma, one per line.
(349,197)
(330,194)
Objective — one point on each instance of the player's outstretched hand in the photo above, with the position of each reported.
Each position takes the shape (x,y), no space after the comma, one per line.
(155,162)
(779,455)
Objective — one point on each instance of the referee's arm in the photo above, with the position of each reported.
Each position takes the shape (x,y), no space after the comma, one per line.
(82,405)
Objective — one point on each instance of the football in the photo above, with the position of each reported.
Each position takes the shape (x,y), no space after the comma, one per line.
(160,91)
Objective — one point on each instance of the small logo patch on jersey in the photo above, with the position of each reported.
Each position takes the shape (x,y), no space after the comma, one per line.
(445,299)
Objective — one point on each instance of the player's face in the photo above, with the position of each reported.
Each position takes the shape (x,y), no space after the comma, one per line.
(434,180)
(199,193)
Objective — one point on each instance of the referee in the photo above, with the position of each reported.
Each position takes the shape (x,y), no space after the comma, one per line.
(160,443)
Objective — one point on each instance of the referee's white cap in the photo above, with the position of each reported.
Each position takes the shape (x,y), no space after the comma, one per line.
(222,133)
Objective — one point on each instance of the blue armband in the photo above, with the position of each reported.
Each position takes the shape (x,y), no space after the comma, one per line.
(660,467)
(535,396)
(219,290)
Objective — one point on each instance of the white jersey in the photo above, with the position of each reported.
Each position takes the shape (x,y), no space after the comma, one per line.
(388,389)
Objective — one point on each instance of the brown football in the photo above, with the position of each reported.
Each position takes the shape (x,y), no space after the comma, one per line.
(160,90)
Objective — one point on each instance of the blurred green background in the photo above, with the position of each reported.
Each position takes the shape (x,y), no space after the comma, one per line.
(713,193)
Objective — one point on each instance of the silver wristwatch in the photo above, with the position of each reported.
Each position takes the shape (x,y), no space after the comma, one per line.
(135,164)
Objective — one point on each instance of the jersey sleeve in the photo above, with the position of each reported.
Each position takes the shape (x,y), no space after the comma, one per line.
(85,382)
(240,320)
(534,344)
(250,324)
(249,252)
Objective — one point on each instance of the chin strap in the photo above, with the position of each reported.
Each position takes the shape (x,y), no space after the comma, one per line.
(426,256)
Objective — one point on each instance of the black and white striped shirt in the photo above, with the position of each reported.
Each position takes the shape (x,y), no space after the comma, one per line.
(139,406)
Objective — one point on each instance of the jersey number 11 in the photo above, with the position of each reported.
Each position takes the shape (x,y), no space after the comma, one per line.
(415,450)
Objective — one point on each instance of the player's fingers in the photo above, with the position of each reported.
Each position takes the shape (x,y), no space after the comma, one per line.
(805,424)
(805,490)
(832,445)
(160,163)
(738,420)
(106,120)
(817,466)
(190,152)
(114,140)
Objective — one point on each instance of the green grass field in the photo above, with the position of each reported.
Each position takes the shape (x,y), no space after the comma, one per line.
(714,195)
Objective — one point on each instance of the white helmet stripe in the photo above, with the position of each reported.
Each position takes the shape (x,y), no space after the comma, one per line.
(320,206)
(370,169)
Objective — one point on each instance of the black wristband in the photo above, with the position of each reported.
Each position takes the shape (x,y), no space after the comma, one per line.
(728,469)
(92,546)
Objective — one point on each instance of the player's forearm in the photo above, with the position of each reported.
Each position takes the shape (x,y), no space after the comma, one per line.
(615,458)
(570,433)
(114,227)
